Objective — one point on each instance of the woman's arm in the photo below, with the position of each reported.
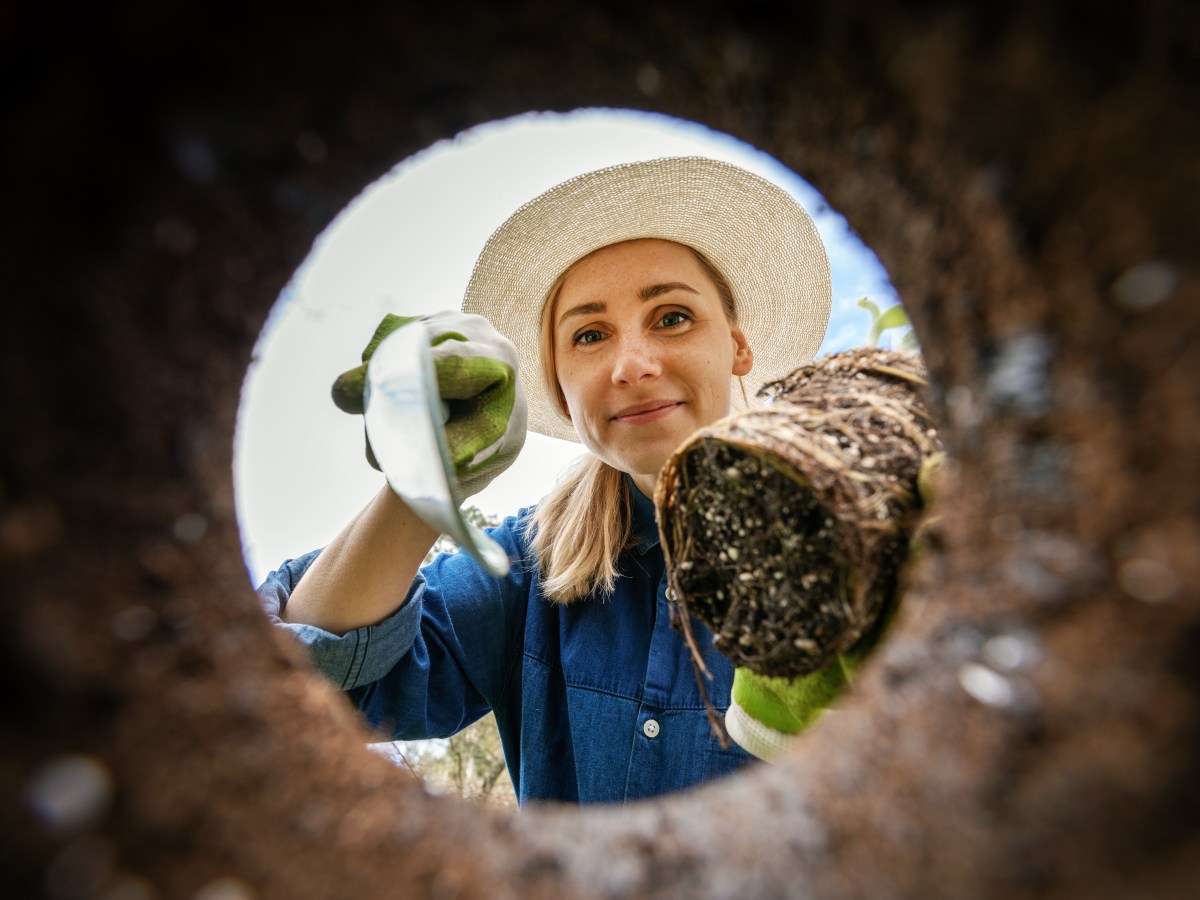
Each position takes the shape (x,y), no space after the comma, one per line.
(364,574)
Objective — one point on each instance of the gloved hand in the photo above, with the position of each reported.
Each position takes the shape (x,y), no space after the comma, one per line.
(766,712)
(482,396)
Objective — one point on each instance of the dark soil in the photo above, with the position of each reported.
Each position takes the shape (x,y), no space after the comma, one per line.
(763,566)
(785,527)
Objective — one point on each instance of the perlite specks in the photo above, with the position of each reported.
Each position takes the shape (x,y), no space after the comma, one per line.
(772,614)
(784,527)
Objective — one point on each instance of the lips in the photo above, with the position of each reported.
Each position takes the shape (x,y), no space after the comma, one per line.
(644,413)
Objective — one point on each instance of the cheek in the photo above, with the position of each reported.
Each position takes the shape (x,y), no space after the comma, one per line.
(715,369)
(589,431)
(573,386)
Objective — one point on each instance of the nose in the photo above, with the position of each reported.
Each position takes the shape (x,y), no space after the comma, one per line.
(636,359)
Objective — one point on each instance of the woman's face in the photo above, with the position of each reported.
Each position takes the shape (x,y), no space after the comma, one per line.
(643,352)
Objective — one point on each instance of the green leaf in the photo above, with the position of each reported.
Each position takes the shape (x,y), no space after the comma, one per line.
(893,317)
(870,306)
(873,308)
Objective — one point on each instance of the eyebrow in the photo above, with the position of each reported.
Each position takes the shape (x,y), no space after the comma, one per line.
(649,293)
(646,293)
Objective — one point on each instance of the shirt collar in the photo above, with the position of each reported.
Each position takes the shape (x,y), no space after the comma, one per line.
(645,528)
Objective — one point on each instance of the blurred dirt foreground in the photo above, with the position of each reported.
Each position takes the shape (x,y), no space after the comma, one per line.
(1027,173)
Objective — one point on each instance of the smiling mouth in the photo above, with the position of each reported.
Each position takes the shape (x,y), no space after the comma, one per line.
(644,413)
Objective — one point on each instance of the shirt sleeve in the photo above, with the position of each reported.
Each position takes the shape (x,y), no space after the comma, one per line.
(351,660)
(443,659)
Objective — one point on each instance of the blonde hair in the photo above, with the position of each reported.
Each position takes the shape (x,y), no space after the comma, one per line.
(580,528)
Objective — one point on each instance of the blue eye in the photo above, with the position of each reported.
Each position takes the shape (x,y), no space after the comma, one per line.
(590,336)
(673,318)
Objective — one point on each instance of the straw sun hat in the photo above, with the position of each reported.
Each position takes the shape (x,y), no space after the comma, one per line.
(753,231)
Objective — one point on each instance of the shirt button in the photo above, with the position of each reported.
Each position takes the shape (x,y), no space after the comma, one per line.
(650,728)
(671,595)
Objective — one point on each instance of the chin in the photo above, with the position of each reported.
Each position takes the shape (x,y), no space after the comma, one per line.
(644,457)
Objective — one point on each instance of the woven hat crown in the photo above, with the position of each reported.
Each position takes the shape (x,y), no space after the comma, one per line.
(754,232)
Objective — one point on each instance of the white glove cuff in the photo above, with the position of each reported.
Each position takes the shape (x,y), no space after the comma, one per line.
(753,736)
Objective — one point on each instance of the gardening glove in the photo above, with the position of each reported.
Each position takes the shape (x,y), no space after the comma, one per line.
(766,712)
(483,401)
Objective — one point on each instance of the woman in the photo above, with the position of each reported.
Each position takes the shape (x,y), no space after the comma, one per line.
(638,293)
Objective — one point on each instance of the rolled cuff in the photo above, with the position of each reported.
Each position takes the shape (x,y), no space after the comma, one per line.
(366,654)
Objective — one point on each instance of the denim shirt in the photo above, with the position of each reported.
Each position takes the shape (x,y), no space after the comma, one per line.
(595,701)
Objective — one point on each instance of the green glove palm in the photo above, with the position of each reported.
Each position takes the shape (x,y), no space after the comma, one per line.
(765,712)
(482,398)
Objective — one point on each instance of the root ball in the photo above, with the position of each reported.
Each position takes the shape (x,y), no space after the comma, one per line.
(784,527)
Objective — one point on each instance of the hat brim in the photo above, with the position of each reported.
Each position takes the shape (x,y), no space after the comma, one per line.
(753,231)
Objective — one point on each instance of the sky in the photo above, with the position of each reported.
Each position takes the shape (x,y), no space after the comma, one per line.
(406,245)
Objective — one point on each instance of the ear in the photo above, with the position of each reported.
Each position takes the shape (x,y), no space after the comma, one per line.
(743,356)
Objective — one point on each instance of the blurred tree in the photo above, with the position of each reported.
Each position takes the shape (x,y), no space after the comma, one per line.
(470,764)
